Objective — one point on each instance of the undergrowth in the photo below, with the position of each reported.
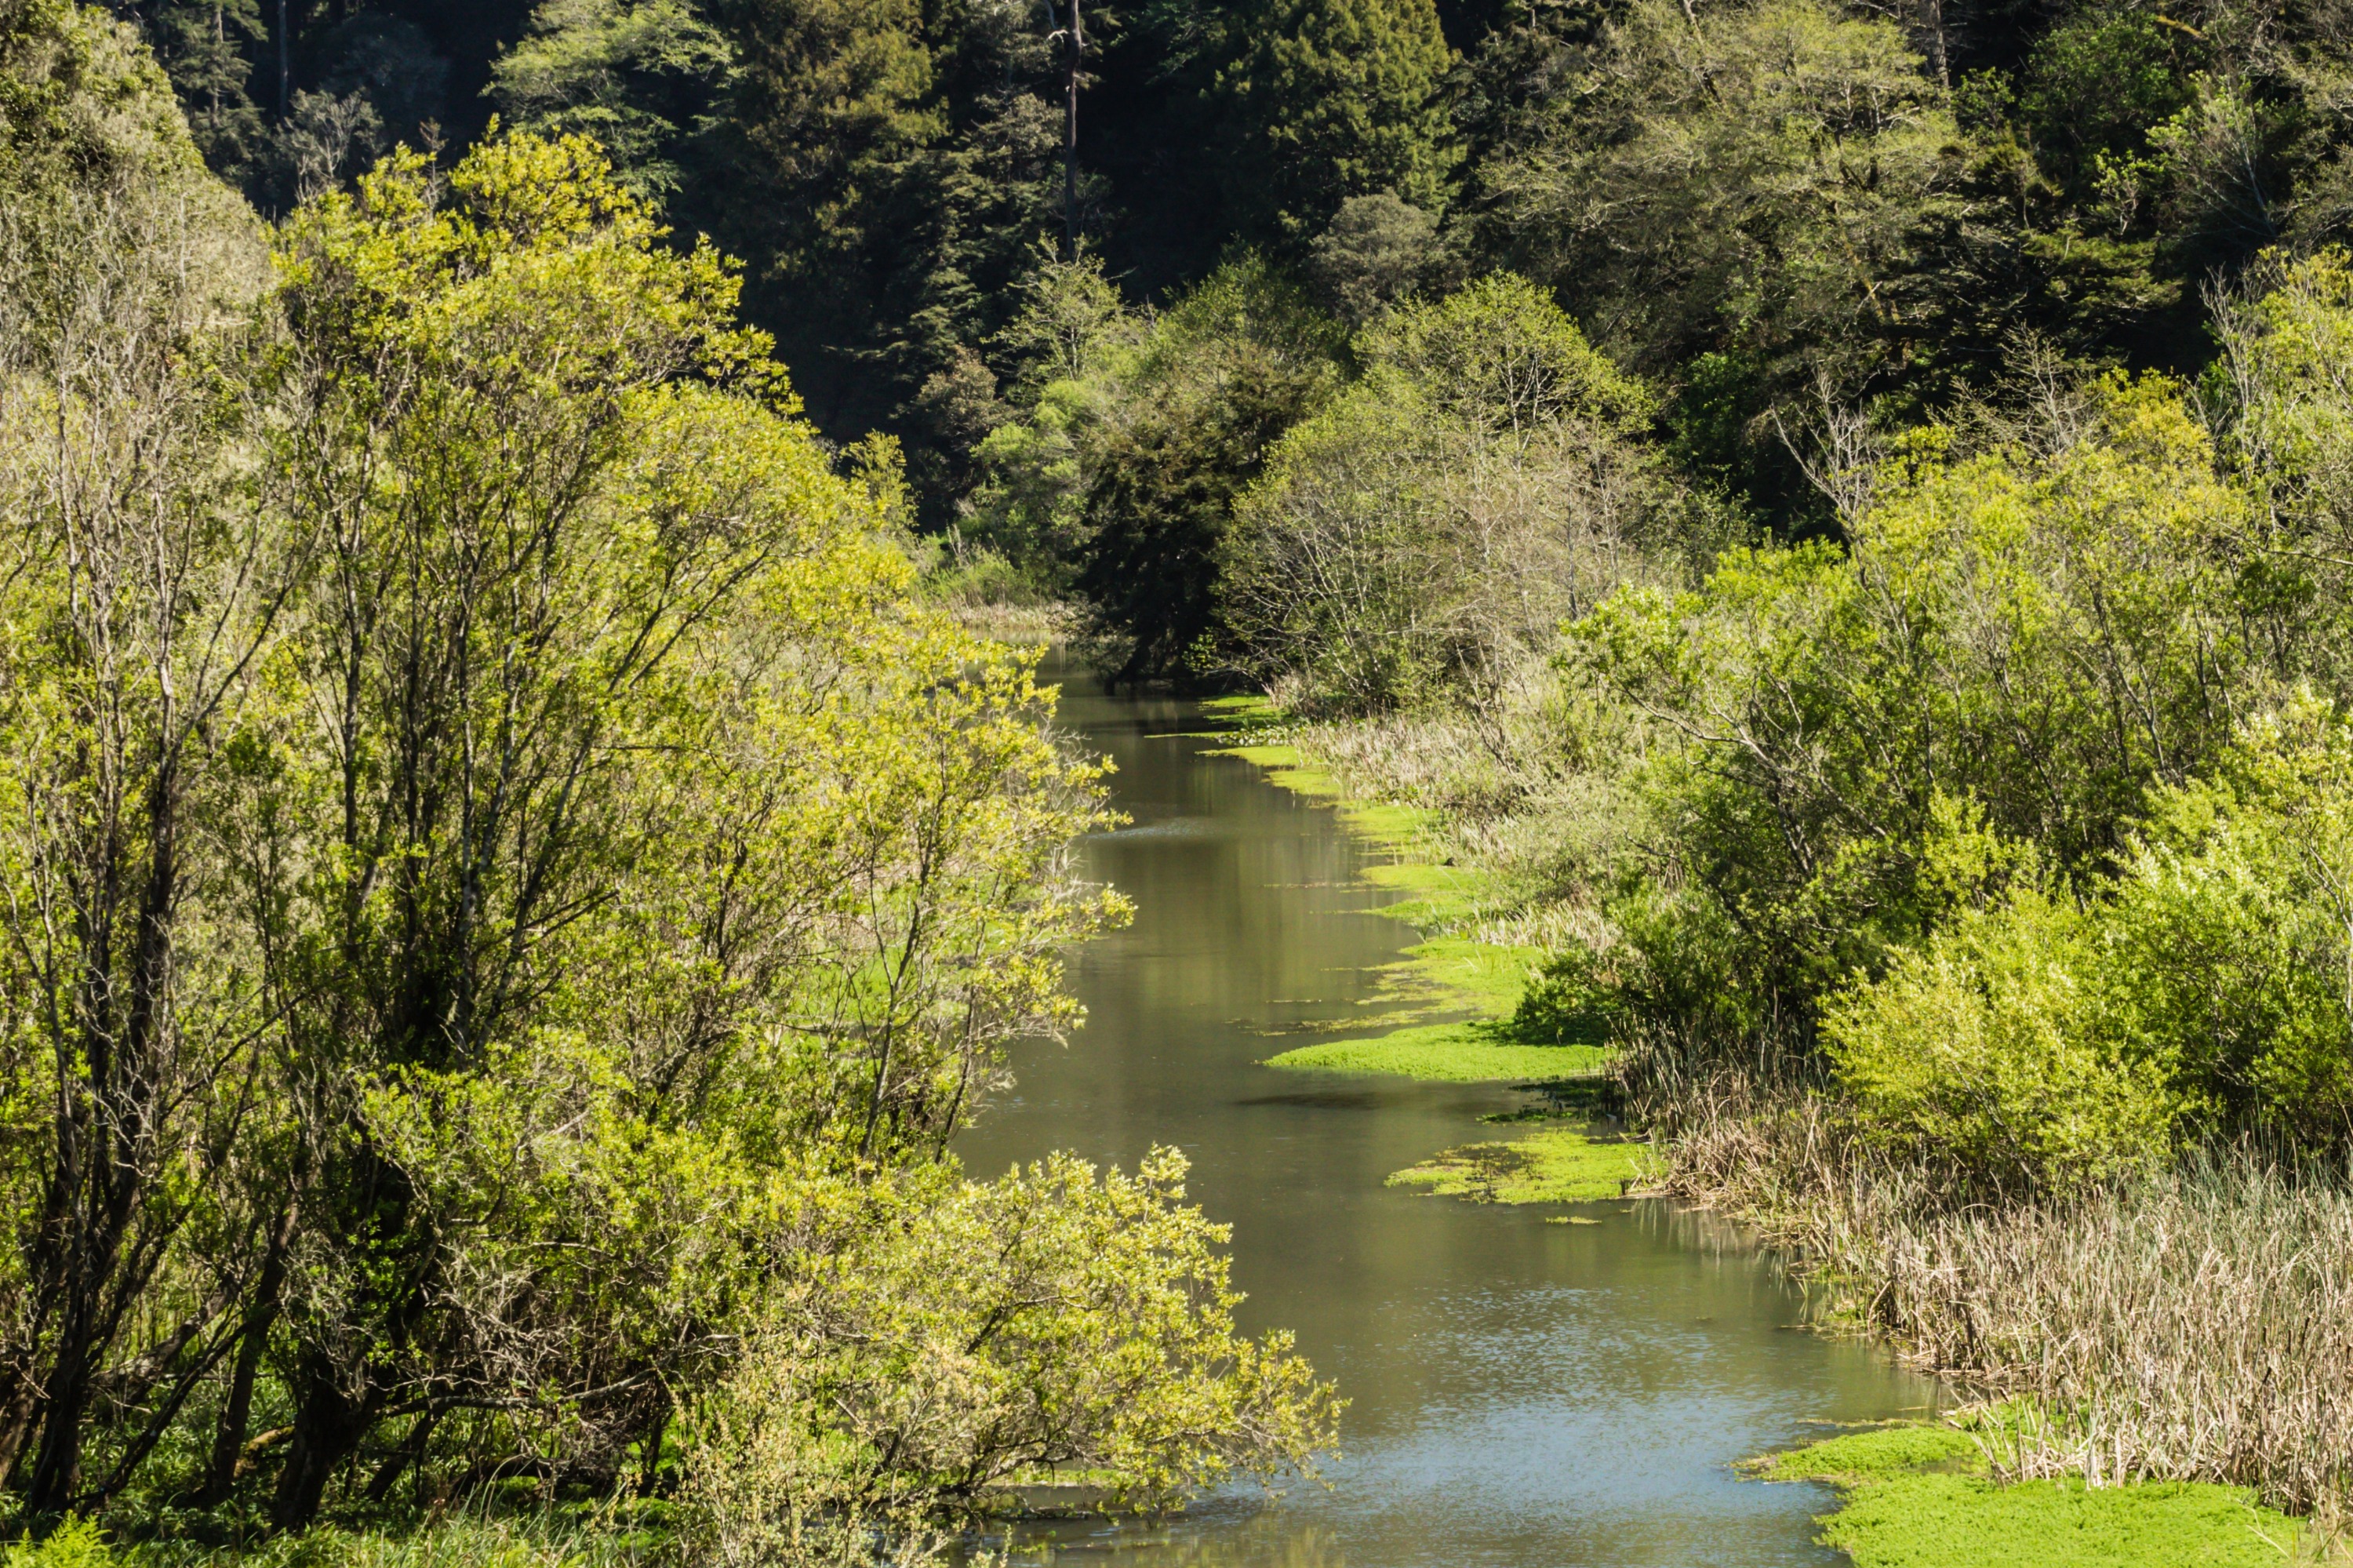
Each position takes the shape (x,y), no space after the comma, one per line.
(2191,1325)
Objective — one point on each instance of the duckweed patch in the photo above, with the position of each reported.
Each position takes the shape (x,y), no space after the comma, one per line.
(1918,1496)
(1877,1454)
(1474,974)
(1243,710)
(1286,769)
(1443,975)
(1446,1053)
(1965,1521)
(1557,1165)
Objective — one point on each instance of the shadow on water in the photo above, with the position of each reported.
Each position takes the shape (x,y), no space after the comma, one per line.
(1523,1395)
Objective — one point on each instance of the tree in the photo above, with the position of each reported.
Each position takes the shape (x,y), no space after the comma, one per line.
(1425,534)
(1746,179)
(637,813)
(1070,348)
(1377,251)
(145,589)
(900,168)
(646,81)
(1323,100)
(1219,378)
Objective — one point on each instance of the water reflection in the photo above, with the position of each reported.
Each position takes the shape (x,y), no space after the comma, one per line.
(1523,1394)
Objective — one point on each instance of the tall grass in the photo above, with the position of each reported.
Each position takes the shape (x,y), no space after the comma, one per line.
(2194,1326)
(450,1543)
(1534,834)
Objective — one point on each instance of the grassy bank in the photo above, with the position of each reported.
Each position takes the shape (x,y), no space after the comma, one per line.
(1452,996)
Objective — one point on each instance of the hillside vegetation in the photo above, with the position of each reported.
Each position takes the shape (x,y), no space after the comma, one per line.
(513,873)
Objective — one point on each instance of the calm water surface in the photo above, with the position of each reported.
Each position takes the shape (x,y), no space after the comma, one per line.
(1523,1395)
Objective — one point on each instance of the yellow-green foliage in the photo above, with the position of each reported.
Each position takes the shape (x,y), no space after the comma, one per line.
(2227,928)
(539,1540)
(2293,441)
(1988,1046)
(786,867)
(2036,635)
(531,1542)
(2068,1041)
(1555,1165)
(2065,1030)
(1049,1317)
(76,1543)
(86,108)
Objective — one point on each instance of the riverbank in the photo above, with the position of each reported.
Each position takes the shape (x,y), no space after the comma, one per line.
(1453,1005)
(2050,1307)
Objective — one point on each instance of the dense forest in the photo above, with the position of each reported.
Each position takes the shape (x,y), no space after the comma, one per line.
(514,866)
(1754,209)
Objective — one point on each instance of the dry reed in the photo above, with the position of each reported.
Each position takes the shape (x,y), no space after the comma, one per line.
(1536,834)
(2193,1327)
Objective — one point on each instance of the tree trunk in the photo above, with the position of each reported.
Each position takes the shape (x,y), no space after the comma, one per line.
(228,1440)
(1074,48)
(106,1178)
(328,1425)
(1931,14)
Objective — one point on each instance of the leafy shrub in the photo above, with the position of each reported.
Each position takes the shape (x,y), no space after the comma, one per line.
(1988,1048)
(1573,1000)
(2231,928)
(2214,974)
(1051,1318)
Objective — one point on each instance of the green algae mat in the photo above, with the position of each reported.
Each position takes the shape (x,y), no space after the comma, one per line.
(1555,1165)
(1920,1497)
(1444,974)
(1446,1053)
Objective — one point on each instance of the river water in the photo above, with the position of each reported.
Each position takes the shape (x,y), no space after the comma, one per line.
(1522,1394)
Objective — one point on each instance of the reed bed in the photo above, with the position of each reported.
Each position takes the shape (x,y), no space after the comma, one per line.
(2193,1326)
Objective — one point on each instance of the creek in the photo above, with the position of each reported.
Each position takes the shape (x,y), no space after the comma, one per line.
(1522,1393)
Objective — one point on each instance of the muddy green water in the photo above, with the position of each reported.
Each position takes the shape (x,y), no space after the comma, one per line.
(1523,1395)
